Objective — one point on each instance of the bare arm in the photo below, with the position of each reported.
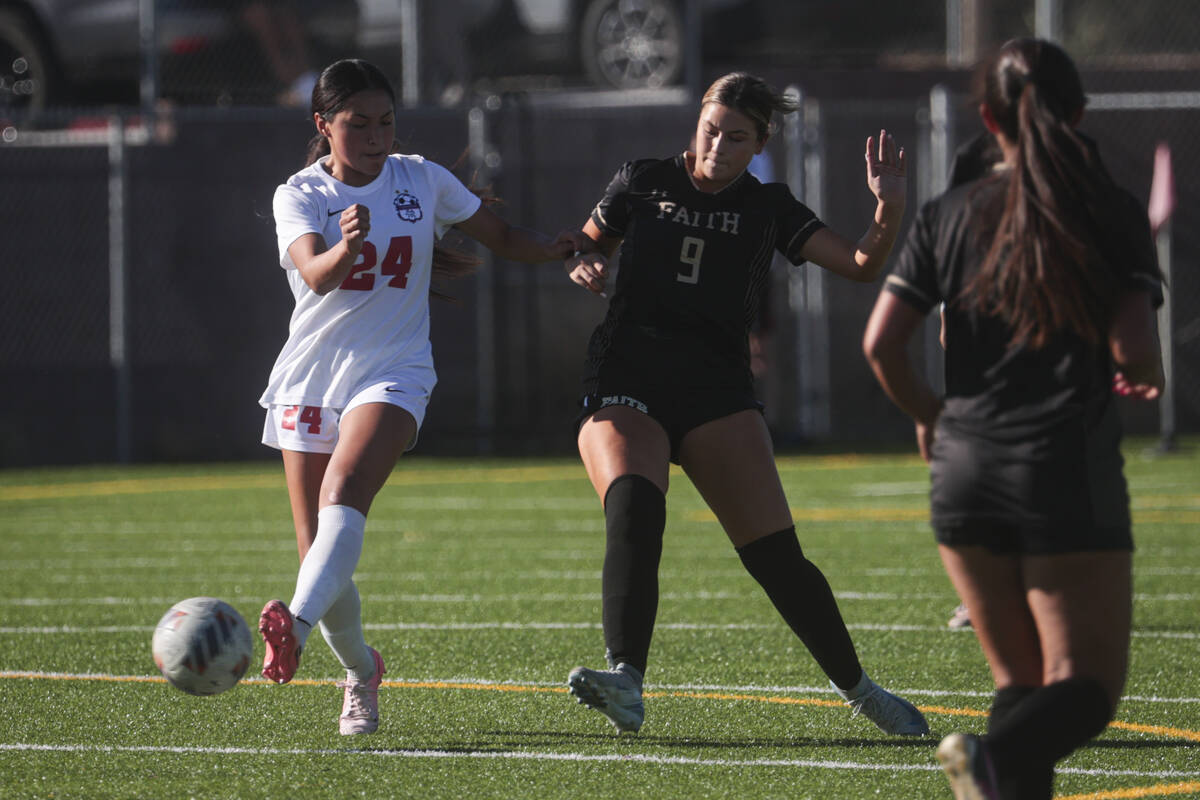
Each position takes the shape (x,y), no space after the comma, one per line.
(885,344)
(515,243)
(324,268)
(1133,342)
(887,171)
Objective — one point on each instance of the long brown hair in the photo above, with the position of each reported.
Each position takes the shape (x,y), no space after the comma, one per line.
(752,96)
(339,82)
(1050,264)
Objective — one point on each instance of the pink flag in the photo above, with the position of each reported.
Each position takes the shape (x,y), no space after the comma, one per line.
(1162,188)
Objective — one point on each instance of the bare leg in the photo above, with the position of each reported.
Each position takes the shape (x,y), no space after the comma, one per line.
(993,589)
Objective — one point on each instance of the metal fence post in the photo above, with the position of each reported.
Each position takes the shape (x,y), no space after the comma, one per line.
(932,182)
(118,287)
(485,312)
(410,54)
(793,174)
(815,390)
(148,45)
(1047,20)
(1166,403)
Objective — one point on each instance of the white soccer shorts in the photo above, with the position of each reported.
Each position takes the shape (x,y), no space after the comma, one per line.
(314,429)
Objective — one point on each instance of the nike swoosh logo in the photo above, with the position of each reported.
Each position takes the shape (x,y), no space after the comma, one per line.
(331,213)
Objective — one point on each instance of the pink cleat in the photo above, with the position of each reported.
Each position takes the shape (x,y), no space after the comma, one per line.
(360,706)
(282,658)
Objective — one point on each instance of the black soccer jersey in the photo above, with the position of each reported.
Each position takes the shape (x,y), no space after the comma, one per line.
(692,268)
(993,388)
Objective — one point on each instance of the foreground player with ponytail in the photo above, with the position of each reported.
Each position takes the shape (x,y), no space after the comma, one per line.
(357,231)
(668,380)
(1049,277)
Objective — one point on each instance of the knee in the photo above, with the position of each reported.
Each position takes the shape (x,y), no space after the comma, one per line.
(345,489)
(634,508)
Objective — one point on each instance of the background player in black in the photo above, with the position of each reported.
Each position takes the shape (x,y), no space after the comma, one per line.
(1048,273)
(668,379)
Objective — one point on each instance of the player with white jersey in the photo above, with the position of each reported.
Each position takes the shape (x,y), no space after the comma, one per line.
(381,311)
(358,230)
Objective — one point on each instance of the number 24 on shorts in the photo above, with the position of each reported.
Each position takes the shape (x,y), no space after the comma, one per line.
(305,415)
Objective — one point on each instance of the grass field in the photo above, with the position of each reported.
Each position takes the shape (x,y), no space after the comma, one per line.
(480,584)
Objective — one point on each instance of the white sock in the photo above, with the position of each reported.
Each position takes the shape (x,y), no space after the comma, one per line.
(863,686)
(328,567)
(342,628)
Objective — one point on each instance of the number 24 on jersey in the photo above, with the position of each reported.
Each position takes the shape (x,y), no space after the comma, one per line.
(396,262)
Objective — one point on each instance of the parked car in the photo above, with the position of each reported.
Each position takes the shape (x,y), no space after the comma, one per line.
(87,52)
(57,52)
(623,44)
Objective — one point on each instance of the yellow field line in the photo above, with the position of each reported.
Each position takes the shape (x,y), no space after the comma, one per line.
(1157,730)
(139,486)
(1116,794)
(402,477)
(273,480)
(1138,791)
(922,514)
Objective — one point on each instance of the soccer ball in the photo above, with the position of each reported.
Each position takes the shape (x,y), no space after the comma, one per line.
(202,646)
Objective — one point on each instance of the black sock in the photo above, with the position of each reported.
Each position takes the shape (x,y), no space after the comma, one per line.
(1034,781)
(1048,724)
(1005,703)
(802,595)
(635,514)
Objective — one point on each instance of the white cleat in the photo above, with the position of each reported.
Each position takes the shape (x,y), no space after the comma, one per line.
(890,713)
(961,618)
(968,767)
(615,693)
(360,701)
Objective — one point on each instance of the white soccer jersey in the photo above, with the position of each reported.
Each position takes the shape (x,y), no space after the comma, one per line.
(377,322)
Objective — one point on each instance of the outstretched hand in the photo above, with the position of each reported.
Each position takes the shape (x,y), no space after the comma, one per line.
(887,169)
(568,243)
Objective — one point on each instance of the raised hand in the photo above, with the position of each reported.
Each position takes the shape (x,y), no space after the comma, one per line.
(887,169)
(355,223)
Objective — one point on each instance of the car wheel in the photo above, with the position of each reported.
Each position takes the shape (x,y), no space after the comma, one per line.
(632,44)
(26,71)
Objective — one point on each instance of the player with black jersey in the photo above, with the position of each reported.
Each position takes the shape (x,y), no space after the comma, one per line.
(1049,279)
(668,379)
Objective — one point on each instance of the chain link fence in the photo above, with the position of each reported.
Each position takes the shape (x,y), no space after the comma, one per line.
(145,304)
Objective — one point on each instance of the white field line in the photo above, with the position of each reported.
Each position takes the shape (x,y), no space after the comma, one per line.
(579,597)
(519,755)
(551,626)
(57,571)
(654,687)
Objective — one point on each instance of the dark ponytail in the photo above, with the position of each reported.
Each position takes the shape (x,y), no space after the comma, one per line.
(339,82)
(1050,264)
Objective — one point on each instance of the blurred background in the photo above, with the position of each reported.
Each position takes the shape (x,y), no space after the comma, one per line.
(141,142)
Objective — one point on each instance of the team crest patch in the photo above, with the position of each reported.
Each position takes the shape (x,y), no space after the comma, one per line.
(408,207)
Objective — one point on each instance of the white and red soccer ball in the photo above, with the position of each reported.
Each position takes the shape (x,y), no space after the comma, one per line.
(202,646)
